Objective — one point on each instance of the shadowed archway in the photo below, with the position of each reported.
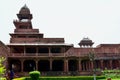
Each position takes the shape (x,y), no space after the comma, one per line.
(29,65)
(73,65)
(58,65)
(15,65)
(43,65)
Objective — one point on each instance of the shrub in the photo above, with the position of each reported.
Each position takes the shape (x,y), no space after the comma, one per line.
(34,75)
(111,73)
(2,66)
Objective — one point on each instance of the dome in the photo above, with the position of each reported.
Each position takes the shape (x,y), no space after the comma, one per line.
(86,42)
(24,13)
(24,10)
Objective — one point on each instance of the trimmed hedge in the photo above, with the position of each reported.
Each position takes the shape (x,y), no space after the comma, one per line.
(34,75)
(111,73)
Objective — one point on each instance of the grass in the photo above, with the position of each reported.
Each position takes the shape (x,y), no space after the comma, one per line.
(111,79)
(62,77)
(22,78)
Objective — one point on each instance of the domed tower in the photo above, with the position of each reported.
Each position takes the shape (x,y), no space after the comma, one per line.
(24,17)
(24,32)
(86,42)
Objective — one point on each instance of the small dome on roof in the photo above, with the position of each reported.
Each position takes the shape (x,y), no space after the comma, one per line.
(86,42)
(24,10)
(86,39)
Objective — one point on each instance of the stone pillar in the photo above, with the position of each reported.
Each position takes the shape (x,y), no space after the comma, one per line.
(22,65)
(65,65)
(89,62)
(83,65)
(36,61)
(51,64)
(111,64)
(79,65)
(101,64)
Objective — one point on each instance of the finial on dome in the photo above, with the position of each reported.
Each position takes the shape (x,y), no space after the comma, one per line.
(25,6)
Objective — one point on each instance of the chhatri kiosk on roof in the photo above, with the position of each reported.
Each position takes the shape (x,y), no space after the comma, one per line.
(29,50)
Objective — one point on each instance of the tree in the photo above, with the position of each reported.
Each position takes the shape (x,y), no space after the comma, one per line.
(92,59)
(2,67)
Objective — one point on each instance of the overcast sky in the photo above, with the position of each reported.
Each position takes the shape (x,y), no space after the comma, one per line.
(70,19)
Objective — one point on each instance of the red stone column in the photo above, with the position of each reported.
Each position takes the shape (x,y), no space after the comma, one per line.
(79,66)
(110,64)
(51,64)
(89,65)
(83,66)
(65,65)
(22,61)
(36,61)
(101,64)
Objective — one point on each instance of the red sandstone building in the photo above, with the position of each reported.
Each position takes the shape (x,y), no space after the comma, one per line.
(30,50)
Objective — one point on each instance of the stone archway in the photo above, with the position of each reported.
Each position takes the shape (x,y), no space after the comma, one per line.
(97,64)
(73,65)
(15,65)
(44,65)
(86,65)
(106,64)
(29,65)
(58,65)
(115,64)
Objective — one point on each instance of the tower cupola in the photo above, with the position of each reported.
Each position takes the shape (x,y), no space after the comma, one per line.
(86,42)
(24,10)
(24,13)
(24,32)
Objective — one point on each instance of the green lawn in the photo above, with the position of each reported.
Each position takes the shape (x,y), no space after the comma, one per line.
(99,79)
(63,78)
(111,79)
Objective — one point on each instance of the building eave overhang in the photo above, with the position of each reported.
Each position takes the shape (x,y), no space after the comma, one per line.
(39,44)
